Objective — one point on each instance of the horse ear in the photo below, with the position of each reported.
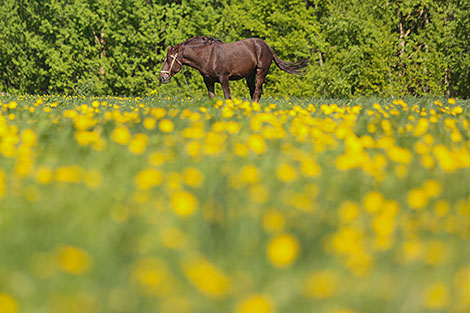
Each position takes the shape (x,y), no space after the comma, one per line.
(168,49)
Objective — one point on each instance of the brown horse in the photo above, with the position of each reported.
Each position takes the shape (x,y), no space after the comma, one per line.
(220,62)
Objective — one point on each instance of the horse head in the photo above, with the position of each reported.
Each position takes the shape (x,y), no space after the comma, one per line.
(172,63)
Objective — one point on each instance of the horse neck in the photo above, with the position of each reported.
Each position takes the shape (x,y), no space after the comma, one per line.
(192,56)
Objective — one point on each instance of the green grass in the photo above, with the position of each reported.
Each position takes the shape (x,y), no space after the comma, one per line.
(298,205)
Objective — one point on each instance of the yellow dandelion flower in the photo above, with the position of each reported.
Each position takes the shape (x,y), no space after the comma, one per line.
(286,173)
(149,123)
(193,177)
(148,178)
(138,143)
(74,260)
(158,113)
(373,201)
(456,110)
(8,304)
(411,250)
(12,105)
(437,296)
(68,174)
(184,203)
(166,126)
(240,149)
(348,211)
(283,250)
(206,277)
(121,135)
(256,303)
(432,188)
(310,168)
(250,174)
(417,199)
(28,137)
(256,144)
(321,284)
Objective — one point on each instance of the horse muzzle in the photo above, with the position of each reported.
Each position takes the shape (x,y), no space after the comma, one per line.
(165,78)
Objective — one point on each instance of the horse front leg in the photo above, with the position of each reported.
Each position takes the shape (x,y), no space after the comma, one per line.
(225,87)
(210,86)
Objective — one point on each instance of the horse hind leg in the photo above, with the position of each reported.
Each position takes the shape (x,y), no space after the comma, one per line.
(260,77)
(225,87)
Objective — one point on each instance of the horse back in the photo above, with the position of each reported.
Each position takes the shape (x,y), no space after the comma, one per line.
(241,57)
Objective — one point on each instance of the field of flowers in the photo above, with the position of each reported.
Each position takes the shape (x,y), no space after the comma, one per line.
(170,205)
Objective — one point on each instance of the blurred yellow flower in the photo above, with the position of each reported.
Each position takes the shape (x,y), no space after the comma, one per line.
(321,284)
(256,303)
(411,250)
(68,174)
(12,105)
(256,144)
(121,135)
(432,188)
(249,174)
(74,260)
(206,277)
(166,126)
(310,168)
(286,173)
(348,211)
(28,137)
(373,201)
(283,250)
(138,143)
(417,199)
(8,304)
(149,123)
(193,177)
(184,203)
(148,178)
(437,296)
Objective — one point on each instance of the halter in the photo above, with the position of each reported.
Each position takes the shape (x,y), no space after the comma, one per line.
(174,57)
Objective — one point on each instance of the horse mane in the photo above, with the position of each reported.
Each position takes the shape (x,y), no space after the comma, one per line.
(202,40)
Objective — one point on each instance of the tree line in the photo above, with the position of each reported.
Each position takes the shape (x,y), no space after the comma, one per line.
(355,47)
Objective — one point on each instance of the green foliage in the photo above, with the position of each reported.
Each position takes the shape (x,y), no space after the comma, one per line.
(356,47)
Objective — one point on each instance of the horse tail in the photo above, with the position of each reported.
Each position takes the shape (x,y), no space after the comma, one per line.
(291,67)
